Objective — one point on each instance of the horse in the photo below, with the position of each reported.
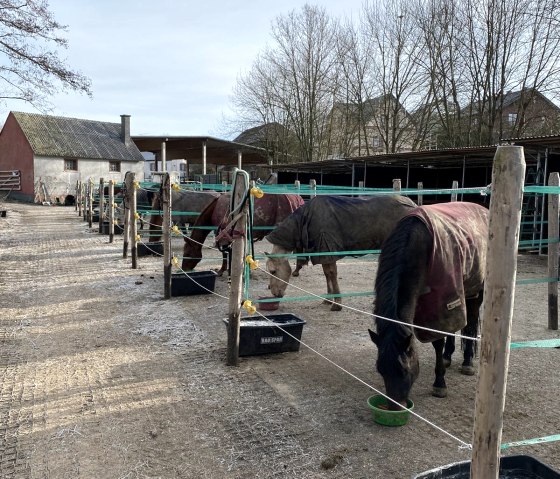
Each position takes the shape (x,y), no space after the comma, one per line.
(183,200)
(327,224)
(431,274)
(268,211)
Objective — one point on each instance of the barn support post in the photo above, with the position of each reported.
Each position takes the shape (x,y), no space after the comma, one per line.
(101,204)
(397,184)
(111,210)
(204,157)
(166,234)
(239,206)
(131,187)
(313,187)
(499,289)
(454,186)
(126,214)
(163,156)
(463,176)
(553,236)
(90,202)
(407,173)
(297,184)
(420,198)
(239,159)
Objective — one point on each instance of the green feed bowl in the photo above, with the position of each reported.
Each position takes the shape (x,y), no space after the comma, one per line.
(377,405)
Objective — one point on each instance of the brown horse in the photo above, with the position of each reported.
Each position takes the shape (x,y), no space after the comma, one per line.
(268,211)
(181,201)
(330,224)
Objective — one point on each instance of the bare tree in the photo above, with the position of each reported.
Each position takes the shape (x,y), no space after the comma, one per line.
(31,69)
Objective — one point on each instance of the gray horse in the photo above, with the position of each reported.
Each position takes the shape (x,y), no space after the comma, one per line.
(328,224)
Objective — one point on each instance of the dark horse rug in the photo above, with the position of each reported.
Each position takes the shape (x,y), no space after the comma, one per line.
(338,223)
(457,266)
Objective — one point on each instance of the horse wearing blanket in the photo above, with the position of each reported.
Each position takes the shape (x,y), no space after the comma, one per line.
(431,273)
(329,224)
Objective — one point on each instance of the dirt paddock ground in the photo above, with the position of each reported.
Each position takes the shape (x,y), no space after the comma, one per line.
(103,378)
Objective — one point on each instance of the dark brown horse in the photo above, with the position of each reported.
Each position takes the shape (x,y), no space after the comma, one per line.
(268,211)
(431,274)
(331,224)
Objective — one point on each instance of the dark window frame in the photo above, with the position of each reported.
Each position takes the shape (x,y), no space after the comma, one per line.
(115,166)
(73,161)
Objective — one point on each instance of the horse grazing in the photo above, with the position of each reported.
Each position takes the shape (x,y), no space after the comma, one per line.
(268,211)
(327,224)
(183,200)
(431,274)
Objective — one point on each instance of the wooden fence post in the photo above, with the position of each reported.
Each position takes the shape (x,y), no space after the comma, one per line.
(101,203)
(133,221)
(553,234)
(313,187)
(239,205)
(126,214)
(84,200)
(508,174)
(111,210)
(420,200)
(90,202)
(166,233)
(76,202)
(79,197)
(454,186)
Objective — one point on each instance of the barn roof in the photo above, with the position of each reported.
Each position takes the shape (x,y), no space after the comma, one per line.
(75,138)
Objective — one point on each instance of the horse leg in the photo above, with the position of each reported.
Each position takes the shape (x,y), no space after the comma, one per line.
(471,329)
(439,388)
(332,285)
(449,350)
(225,262)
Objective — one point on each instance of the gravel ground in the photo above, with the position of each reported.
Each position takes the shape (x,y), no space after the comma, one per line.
(103,378)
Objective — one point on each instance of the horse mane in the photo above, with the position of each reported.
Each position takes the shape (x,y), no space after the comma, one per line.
(390,275)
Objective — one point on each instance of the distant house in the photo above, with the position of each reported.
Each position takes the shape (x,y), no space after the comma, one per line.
(279,142)
(375,126)
(52,153)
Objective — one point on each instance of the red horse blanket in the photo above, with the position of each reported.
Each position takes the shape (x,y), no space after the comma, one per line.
(457,266)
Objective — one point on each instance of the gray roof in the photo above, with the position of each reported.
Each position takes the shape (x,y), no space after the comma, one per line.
(75,138)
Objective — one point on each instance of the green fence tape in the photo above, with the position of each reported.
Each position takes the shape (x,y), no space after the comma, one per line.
(540,343)
(527,442)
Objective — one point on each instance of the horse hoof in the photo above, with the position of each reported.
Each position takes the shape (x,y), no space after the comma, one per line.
(467,370)
(295,274)
(336,307)
(439,392)
(446,362)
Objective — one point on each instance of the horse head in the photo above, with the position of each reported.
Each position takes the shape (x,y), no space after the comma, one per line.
(397,362)
(192,254)
(280,270)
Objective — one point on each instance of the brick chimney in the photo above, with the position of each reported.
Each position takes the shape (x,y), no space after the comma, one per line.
(125,129)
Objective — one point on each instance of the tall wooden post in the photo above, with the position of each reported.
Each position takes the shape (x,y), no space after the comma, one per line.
(420,199)
(166,233)
(239,194)
(101,203)
(501,266)
(553,234)
(132,221)
(454,186)
(76,202)
(313,188)
(90,202)
(126,214)
(85,199)
(111,211)
(79,198)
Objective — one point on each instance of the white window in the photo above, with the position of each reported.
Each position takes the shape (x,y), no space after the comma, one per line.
(512,118)
(115,166)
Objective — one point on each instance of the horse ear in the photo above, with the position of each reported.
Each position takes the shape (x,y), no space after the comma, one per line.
(374,337)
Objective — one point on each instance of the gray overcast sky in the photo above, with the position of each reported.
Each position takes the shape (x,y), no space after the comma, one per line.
(170,64)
